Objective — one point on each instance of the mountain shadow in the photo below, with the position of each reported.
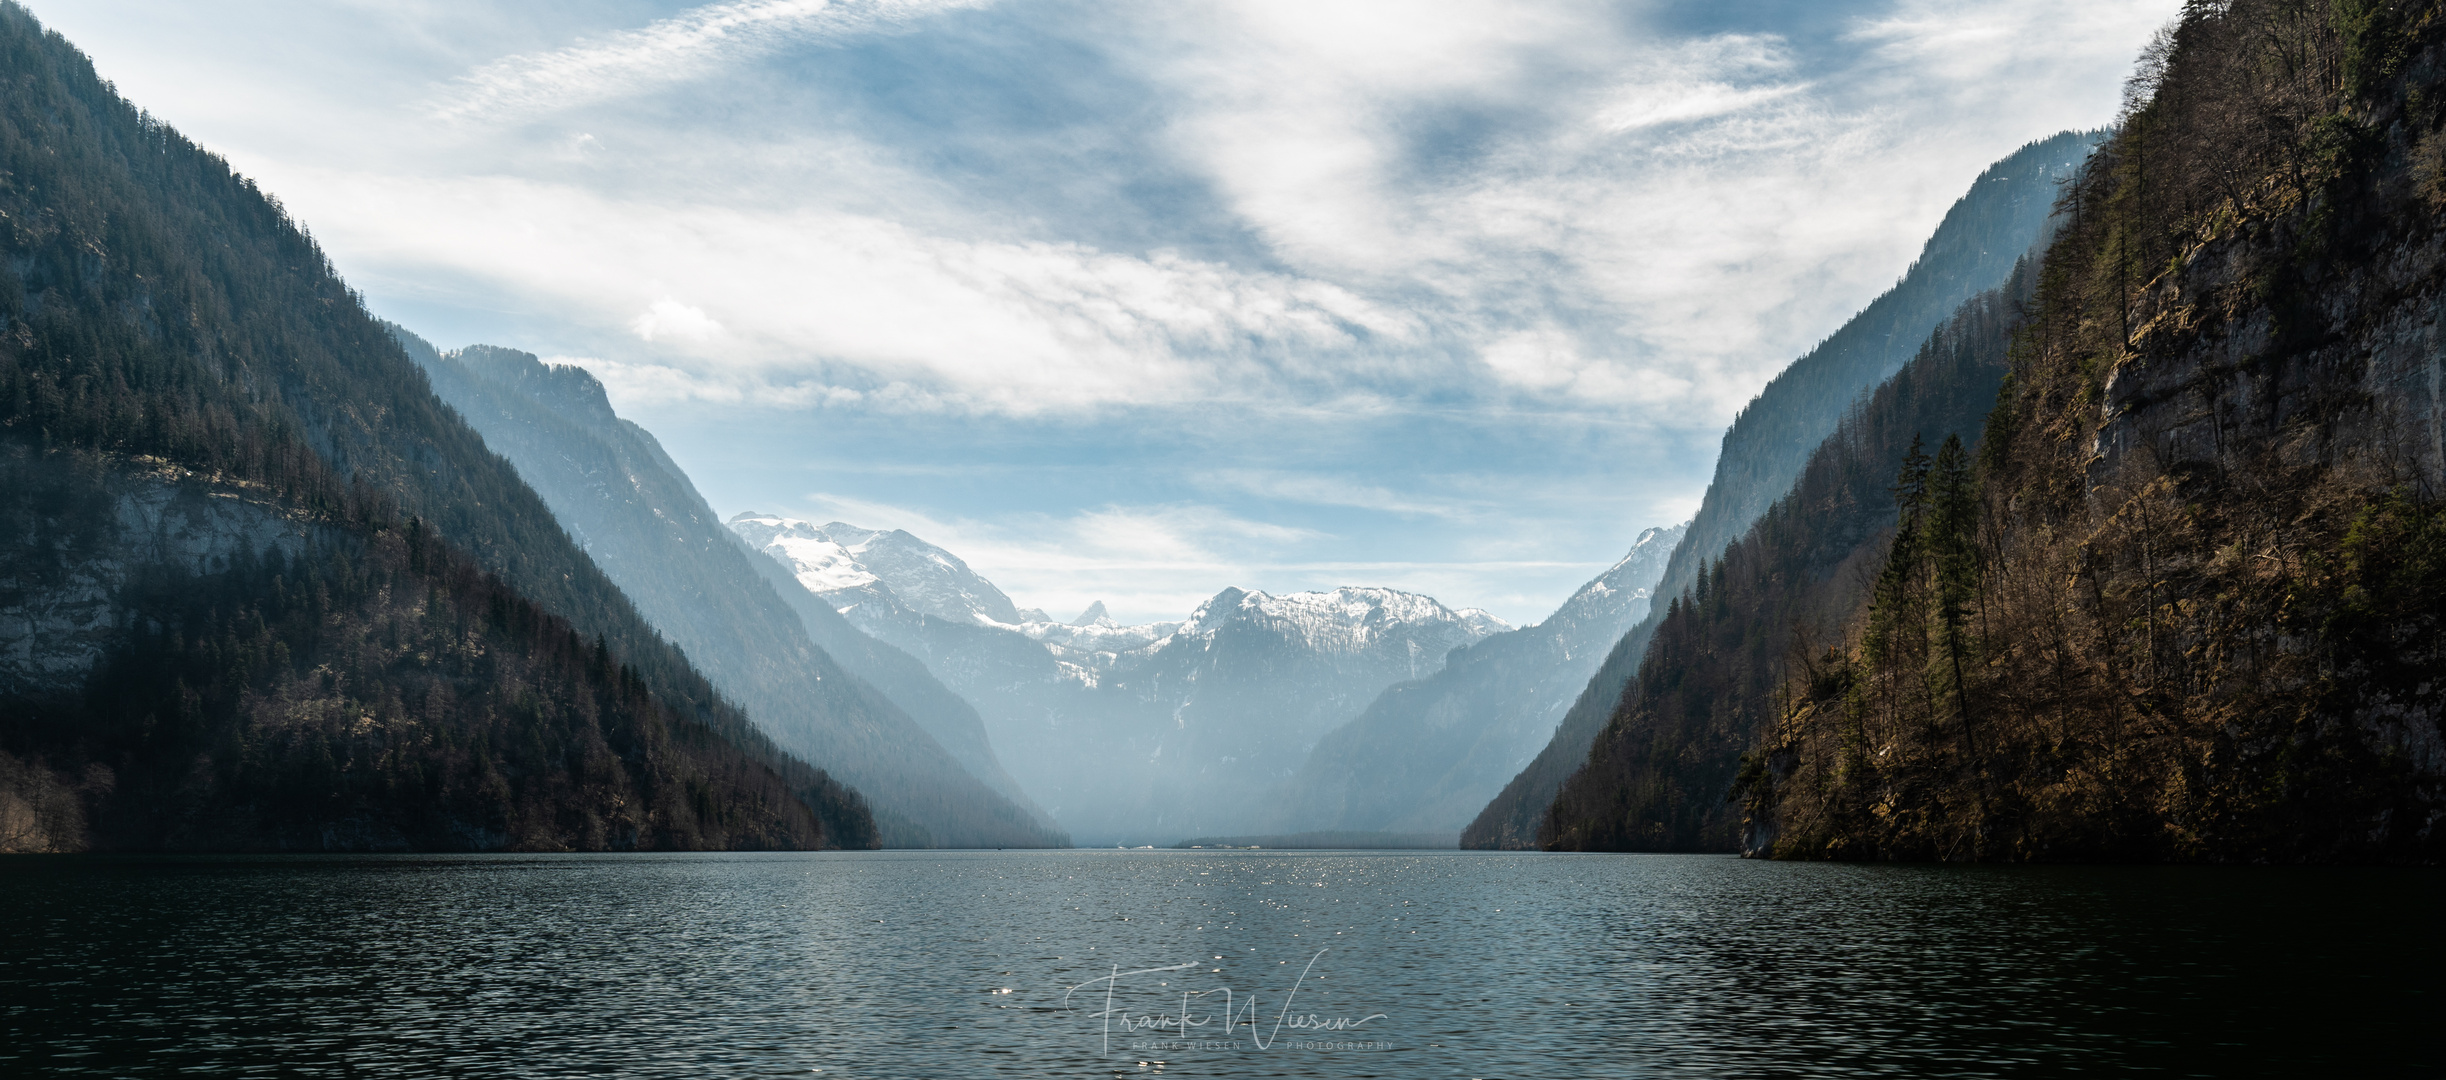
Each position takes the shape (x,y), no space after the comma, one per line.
(2001,218)
(260,589)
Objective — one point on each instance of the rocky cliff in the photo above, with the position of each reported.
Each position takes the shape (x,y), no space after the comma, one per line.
(2180,597)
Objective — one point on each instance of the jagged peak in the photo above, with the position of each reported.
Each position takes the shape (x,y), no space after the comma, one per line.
(924,577)
(1353,614)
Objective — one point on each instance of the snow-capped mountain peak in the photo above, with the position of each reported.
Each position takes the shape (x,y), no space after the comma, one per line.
(1347,620)
(849,565)
(821,562)
(1199,716)
(1618,585)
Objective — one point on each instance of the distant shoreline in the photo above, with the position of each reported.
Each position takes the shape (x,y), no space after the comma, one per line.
(1330,841)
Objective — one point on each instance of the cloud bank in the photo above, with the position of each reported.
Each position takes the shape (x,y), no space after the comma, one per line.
(1417,286)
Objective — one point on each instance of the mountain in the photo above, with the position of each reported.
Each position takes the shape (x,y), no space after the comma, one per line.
(1658,775)
(633,511)
(2179,595)
(1130,733)
(849,566)
(260,590)
(1427,754)
(1974,249)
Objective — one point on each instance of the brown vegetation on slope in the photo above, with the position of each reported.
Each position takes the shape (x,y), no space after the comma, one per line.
(1656,777)
(2188,605)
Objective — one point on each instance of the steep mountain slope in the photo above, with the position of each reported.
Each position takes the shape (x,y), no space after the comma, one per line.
(2002,217)
(632,510)
(2187,602)
(1132,733)
(1426,755)
(308,608)
(2183,601)
(1658,775)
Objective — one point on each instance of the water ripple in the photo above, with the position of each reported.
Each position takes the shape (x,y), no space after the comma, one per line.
(985,964)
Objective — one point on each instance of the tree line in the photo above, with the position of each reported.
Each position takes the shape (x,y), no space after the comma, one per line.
(2185,601)
(160,316)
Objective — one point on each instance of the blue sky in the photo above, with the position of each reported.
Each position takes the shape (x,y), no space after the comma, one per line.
(1130,301)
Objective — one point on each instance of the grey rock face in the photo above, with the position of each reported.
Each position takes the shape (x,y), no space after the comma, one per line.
(77,530)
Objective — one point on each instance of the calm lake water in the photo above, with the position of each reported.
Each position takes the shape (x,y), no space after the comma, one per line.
(985,964)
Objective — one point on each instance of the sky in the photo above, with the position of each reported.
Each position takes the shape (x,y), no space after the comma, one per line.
(1133,302)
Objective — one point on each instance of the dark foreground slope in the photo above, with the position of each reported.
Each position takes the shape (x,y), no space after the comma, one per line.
(2190,603)
(2000,219)
(640,519)
(259,589)
(2184,601)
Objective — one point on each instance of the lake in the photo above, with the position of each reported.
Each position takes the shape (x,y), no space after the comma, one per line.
(1390,964)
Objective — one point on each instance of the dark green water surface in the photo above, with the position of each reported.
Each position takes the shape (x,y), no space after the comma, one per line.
(1402,964)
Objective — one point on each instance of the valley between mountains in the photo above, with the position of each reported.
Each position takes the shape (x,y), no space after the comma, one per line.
(2112,531)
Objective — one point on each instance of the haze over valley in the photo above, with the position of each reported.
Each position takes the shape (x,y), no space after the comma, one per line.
(954,537)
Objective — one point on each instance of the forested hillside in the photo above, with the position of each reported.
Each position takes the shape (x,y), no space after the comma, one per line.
(639,518)
(2183,601)
(1974,249)
(184,384)
(1656,777)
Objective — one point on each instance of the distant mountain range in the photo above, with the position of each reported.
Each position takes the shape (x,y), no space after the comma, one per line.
(1427,754)
(917,752)
(1130,733)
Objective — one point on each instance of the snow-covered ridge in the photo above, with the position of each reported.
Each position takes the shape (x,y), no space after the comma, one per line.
(1342,622)
(1618,578)
(1346,620)
(1169,725)
(849,566)
(1106,638)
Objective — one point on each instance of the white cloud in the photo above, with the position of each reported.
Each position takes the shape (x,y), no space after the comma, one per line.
(824,301)
(1671,220)
(1637,224)
(1323,490)
(681,48)
(670,320)
(1970,46)
(1547,216)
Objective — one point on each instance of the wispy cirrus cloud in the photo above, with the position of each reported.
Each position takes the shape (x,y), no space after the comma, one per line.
(1435,285)
(819,304)
(1315,490)
(687,46)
